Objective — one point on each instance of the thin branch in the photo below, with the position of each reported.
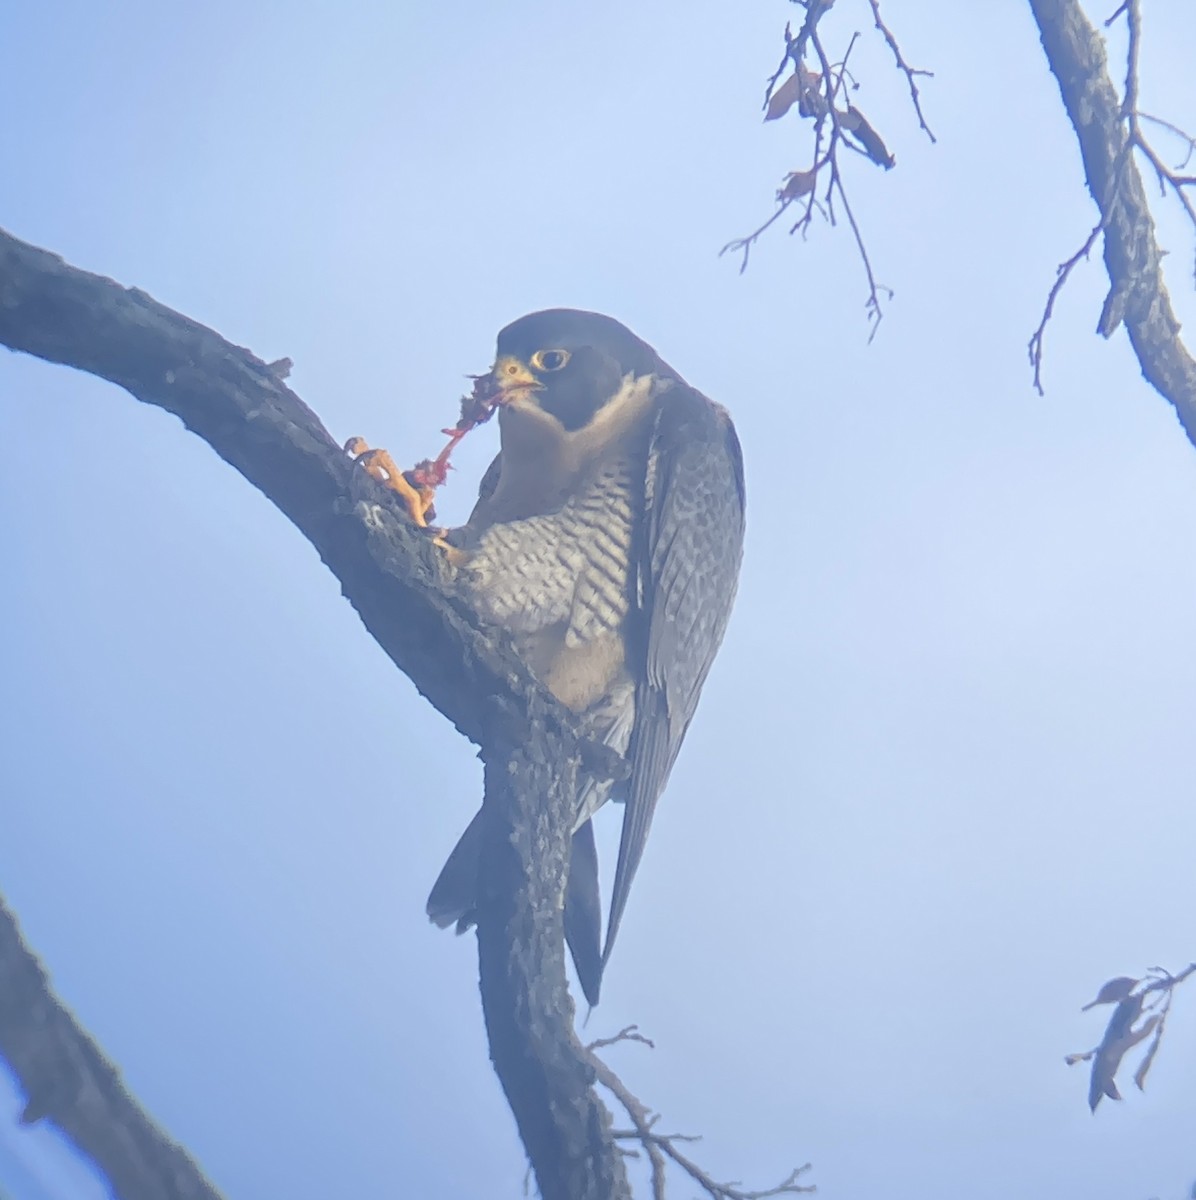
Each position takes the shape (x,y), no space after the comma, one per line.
(875,313)
(902,65)
(872,305)
(1129,112)
(1180,133)
(1133,19)
(744,244)
(662,1149)
(69,1083)
(629,1033)
(1061,276)
(1166,176)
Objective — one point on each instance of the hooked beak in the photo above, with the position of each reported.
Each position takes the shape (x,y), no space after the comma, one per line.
(507,381)
(511,379)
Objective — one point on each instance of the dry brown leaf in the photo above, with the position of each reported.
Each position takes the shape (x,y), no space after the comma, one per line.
(855,122)
(1120,1037)
(797,183)
(1113,992)
(784,98)
(1148,1061)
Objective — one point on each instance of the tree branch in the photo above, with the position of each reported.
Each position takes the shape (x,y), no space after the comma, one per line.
(545,1072)
(1106,132)
(1141,1008)
(67,1080)
(816,95)
(387,569)
(663,1148)
(390,574)
(394,578)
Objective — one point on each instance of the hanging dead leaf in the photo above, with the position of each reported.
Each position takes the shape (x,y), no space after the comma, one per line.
(1113,992)
(1120,1037)
(784,98)
(797,183)
(1148,1061)
(856,123)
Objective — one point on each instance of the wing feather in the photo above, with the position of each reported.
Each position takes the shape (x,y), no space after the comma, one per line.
(686,557)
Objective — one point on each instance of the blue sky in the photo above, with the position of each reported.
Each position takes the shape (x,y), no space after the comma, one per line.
(940,786)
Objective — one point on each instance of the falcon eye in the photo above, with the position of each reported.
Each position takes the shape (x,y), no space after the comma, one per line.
(549,360)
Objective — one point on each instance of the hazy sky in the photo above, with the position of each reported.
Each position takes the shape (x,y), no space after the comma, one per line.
(940,786)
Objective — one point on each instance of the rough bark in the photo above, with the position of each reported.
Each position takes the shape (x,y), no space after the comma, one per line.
(391,575)
(1138,295)
(529,1013)
(387,570)
(68,1080)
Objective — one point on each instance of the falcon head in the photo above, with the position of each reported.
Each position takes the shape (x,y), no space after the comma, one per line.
(569,363)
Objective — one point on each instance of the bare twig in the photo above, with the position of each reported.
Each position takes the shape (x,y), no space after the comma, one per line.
(902,65)
(629,1033)
(743,245)
(1061,275)
(1180,133)
(1129,110)
(662,1148)
(875,314)
(1133,17)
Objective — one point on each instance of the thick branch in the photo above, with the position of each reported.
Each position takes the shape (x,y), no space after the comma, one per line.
(545,1072)
(1138,296)
(391,575)
(387,570)
(69,1081)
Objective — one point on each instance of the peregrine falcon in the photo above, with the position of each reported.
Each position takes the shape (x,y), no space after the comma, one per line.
(606,538)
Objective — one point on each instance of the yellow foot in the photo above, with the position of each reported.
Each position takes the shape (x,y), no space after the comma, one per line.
(379,464)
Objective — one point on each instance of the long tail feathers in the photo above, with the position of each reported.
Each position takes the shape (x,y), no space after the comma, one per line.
(453,899)
(455,892)
(583,913)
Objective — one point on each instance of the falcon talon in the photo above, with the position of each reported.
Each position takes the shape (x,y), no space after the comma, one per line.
(381,466)
(606,540)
